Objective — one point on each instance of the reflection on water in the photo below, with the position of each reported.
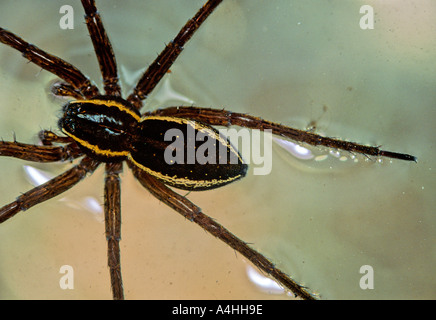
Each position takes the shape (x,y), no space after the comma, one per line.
(319,219)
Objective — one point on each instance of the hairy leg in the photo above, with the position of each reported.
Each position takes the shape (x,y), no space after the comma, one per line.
(166,58)
(51,63)
(112,211)
(193,213)
(222,117)
(103,48)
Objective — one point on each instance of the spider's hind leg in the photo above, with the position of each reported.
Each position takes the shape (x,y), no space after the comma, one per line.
(193,213)
(220,117)
(112,211)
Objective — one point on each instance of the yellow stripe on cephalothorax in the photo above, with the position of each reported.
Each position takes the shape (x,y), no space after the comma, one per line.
(96,149)
(110,103)
(198,126)
(177,181)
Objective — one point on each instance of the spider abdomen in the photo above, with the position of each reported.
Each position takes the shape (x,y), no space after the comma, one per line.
(186,154)
(183,153)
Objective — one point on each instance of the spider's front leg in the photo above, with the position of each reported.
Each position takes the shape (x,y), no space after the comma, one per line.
(47,138)
(103,48)
(46,153)
(64,70)
(220,117)
(166,58)
(62,89)
(193,213)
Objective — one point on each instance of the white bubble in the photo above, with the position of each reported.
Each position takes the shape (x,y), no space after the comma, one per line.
(296,150)
(264,283)
(36,176)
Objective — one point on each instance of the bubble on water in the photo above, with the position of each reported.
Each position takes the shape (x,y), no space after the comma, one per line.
(166,93)
(35,176)
(265,284)
(321,157)
(295,149)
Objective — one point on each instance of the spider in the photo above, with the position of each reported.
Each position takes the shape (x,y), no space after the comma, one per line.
(88,101)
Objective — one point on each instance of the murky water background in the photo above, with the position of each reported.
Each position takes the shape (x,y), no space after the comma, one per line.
(288,61)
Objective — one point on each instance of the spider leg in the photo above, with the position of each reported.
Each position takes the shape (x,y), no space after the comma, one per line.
(166,58)
(193,213)
(112,211)
(221,117)
(50,189)
(46,153)
(66,90)
(47,138)
(102,48)
(51,63)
